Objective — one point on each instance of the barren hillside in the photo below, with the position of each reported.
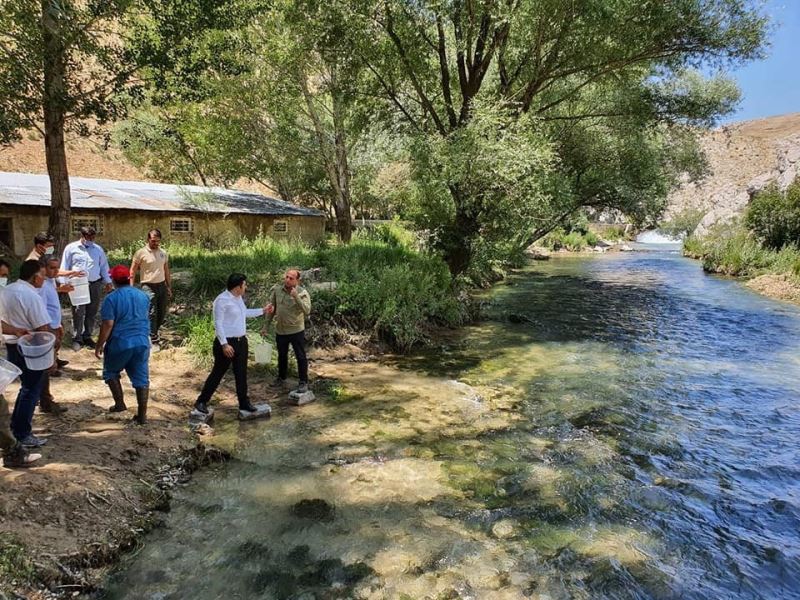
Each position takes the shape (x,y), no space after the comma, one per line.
(86,157)
(743,158)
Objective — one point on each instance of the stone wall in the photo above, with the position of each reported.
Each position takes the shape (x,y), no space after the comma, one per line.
(122,227)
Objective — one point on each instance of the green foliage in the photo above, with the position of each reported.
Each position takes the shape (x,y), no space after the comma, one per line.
(682,224)
(731,250)
(386,289)
(15,565)
(774,216)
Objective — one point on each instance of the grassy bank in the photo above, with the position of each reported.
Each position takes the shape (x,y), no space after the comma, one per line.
(386,289)
(733,250)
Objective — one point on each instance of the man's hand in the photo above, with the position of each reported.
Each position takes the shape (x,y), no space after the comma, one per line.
(169,291)
(227,350)
(269,309)
(65,288)
(108,288)
(17,331)
(76,274)
(293,293)
(98,351)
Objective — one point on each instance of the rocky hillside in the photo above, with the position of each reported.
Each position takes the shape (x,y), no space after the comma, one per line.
(743,159)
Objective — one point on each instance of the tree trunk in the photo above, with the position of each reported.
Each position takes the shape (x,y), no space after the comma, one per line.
(456,239)
(334,158)
(53,109)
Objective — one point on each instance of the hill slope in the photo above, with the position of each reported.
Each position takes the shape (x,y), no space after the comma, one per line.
(743,158)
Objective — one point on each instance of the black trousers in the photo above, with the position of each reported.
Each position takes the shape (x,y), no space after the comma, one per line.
(221,364)
(297,342)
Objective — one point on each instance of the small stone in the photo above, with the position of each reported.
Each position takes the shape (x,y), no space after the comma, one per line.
(299,399)
(314,509)
(504,529)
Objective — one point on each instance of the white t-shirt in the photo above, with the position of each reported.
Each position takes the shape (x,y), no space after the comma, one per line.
(21,306)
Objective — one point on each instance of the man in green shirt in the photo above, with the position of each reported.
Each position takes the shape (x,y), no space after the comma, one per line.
(289,305)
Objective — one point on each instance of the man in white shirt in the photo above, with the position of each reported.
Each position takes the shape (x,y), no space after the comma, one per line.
(22,311)
(86,256)
(49,294)
(15,455)
(230,342)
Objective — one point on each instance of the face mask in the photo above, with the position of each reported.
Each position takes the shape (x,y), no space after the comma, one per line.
(48,251)
(3,282)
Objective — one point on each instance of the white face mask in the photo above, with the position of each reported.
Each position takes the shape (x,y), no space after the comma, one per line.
(3,282)
(49,250)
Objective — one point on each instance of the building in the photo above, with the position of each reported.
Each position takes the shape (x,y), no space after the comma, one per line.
(123,211)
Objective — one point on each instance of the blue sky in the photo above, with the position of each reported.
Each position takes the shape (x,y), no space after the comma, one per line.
(772,86)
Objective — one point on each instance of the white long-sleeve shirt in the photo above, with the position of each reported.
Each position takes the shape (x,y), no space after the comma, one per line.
(229,316)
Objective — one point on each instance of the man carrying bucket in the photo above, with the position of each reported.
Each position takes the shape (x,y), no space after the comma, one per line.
(15,455)
(290,304)
(22,311)
(85,255)
(125,339)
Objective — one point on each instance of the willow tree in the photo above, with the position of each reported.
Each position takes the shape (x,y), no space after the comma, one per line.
(551,67)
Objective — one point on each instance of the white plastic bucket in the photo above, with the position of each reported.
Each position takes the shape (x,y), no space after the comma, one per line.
(80,295)
(8,373)
(263,353)
(38,348)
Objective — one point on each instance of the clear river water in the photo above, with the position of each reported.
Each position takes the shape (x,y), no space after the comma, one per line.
(618,426)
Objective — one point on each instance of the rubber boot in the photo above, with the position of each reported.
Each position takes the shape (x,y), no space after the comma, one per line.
(142,395)
(115,385)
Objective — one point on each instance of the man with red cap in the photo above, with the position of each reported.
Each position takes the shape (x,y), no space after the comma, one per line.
(125,340)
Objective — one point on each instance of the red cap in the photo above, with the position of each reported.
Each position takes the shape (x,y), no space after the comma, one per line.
(120,272)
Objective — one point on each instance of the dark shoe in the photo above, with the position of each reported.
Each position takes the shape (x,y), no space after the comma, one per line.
(302,388)
(20,458)
(278,383)
(248,407)
(33,442)
(115,385)
(142,395)
(51,407)
(201,407)
(61,363)
(89,343)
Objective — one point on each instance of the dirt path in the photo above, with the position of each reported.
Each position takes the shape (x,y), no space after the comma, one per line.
(94,491)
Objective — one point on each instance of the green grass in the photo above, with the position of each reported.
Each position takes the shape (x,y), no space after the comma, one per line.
(15,566)
(386,287)
(732,250)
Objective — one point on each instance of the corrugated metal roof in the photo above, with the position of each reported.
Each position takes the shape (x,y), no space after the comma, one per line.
(24,189)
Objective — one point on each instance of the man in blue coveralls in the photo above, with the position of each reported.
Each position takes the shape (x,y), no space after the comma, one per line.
(125,339)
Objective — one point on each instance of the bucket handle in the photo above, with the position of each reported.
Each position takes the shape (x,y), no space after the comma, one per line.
(36,355)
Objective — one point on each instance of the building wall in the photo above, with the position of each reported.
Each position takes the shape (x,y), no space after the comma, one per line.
(122,227)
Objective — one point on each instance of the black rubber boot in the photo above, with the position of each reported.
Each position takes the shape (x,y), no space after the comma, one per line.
(142,396)
(115,385)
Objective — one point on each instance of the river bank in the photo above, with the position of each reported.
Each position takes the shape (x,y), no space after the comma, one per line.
(104,482)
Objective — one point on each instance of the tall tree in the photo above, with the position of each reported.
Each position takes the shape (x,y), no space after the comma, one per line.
(439,64)
(60,63)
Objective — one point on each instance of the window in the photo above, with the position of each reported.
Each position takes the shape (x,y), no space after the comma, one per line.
(181,225)
(280,227)
(5,232)
(87,221)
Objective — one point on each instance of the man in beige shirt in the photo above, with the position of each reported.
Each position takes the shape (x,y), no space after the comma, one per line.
(152,264)
(289,305)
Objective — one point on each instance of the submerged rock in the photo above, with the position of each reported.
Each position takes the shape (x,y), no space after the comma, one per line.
(314,509)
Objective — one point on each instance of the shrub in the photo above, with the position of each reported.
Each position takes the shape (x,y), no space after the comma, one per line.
(732,250)
(682,224)
(774,217)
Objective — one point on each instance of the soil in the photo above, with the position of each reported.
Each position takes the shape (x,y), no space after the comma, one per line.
(101,477)
(782,287)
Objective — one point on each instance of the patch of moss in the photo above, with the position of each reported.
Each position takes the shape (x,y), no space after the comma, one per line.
(14,563)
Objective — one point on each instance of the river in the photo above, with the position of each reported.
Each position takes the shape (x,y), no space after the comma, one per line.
(619,426)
